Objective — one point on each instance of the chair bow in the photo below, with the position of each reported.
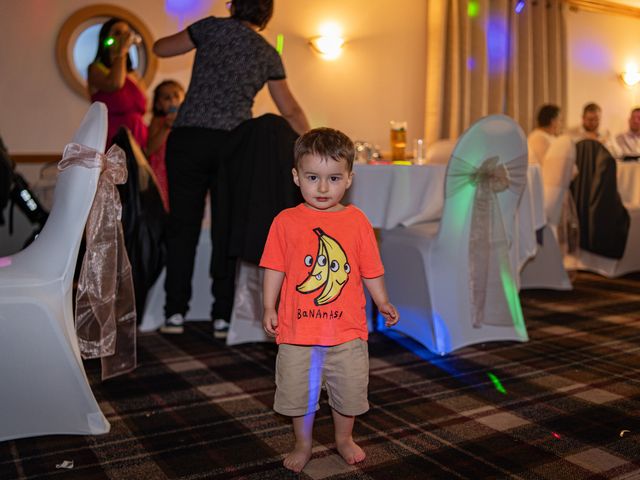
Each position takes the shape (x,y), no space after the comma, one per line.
(491,174)
(105,305)
(493,291)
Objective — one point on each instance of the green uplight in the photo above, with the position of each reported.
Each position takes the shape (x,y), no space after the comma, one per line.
(496,383)
(279,43)
(510,290)
(473,8)
(109,41)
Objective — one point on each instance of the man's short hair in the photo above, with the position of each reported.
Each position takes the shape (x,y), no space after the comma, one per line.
(547,114)
(325,143)
(636,109)
(591,107)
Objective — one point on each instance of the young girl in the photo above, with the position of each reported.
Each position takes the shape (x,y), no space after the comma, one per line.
(167,98)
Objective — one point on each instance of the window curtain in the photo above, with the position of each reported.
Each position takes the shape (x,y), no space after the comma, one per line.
(484,58)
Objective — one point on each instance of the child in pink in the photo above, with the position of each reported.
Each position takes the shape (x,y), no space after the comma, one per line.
(317,257)
(167,98)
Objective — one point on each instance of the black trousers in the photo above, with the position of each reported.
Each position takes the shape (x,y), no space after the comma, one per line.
(194,158)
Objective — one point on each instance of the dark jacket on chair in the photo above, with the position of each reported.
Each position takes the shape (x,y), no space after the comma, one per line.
(604,222)
(254,185)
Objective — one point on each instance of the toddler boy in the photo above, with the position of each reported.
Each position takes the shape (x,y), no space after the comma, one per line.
(316,257)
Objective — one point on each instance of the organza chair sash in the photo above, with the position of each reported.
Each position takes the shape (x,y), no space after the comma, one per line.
(105,304)
(491,283)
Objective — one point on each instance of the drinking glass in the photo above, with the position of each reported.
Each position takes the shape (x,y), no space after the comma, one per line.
(418,151)
(398,139)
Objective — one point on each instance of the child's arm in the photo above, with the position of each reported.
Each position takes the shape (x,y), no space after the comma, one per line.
(379,295)
(158,132)
(270,290)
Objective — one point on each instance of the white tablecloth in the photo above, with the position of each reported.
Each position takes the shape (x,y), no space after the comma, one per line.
(628,175)
(390,195)
(393,195)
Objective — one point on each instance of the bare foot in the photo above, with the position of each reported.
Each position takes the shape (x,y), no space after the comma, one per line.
(350,451)
(297,459)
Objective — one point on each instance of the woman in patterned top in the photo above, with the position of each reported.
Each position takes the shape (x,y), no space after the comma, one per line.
(232,63)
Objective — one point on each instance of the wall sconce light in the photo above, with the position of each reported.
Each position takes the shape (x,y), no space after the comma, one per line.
(631,76)
(328,47)
(329,43)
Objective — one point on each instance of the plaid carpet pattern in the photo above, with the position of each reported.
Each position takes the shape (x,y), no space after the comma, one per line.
(565,405)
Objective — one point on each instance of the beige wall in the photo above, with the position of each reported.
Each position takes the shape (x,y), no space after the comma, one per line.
(379,77)
(600,45)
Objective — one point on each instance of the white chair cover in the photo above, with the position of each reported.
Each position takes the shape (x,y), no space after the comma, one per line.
(246,318)
(609,267)
(558,169)
(44,386)
(546,269)
(456,287)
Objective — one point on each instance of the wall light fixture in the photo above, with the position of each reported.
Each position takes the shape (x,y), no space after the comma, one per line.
(329,43)
(631,75)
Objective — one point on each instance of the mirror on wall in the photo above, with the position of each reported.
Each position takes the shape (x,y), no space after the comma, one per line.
(77,43)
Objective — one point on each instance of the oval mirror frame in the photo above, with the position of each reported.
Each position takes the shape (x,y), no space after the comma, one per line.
(69,32)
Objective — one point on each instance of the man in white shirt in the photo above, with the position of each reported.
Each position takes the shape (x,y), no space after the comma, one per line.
(629,142)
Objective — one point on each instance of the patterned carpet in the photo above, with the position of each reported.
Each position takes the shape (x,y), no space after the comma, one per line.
(565,405)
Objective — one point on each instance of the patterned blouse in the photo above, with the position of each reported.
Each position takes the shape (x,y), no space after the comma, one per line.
(232,64)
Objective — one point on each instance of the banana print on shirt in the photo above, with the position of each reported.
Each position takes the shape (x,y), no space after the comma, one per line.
(330,270)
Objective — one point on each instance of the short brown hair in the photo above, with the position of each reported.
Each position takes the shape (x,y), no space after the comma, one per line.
(256,12)
(326,143)
(591,107)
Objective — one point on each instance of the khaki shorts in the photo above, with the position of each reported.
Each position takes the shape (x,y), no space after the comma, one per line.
(302,370)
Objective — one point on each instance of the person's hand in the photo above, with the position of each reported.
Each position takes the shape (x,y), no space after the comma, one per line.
(170,118)
(389,313)
(270,321)
(123,44)
(128,41)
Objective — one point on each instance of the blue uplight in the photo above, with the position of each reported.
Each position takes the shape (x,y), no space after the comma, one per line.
(471,63)
(519,6)
(316,365)
(497,43)
(590,56)
(188,9)
(181,7)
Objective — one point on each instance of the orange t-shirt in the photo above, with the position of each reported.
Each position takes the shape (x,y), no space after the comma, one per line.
(323,256)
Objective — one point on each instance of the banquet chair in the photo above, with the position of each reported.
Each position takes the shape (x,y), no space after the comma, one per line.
(609,229)
(547,269)
(44,386)
(440,151)
(453,282)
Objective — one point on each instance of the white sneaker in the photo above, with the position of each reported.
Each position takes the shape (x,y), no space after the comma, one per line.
(220,328)
(174,324)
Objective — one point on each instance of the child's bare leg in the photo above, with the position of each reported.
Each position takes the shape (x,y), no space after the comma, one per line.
(347,448)
(303,430)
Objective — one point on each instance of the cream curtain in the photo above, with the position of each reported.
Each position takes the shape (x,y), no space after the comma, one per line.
(484,58)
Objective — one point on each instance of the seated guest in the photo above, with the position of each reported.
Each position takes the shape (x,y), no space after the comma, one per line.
(628,143)
(545,133)
(590,128)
